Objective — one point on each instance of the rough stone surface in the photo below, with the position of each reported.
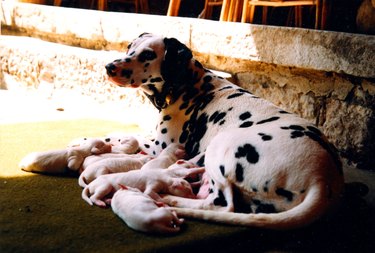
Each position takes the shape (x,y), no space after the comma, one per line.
(51,68)
(311,49)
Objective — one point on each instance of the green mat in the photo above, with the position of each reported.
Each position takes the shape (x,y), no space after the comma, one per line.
(40,213)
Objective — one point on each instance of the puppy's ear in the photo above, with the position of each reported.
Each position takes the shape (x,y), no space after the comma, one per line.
(176,59)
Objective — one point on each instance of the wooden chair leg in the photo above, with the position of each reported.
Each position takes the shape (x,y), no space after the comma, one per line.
(57,2)
(102,5)
(173,8)
(326,6)
(264,15)
(224,10)
(144,6)
(245,11)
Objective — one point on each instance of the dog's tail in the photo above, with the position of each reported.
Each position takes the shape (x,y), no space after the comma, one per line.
(86,195)
(315,204)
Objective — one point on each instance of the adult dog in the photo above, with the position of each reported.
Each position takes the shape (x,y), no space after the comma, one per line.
(274,167)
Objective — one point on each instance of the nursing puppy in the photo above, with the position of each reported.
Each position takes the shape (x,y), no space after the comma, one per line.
(151,182)
(167,157)
(95,166)
(140,212)
(59,161)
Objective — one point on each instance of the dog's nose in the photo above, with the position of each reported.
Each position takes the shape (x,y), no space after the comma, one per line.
(111,69)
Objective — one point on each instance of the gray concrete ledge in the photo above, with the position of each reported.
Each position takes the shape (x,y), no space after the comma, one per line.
(351,54)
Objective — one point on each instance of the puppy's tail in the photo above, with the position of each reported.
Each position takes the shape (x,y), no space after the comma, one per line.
(82,181)
(86,195)
(315,204)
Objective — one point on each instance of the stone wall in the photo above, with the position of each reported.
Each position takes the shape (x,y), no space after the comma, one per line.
(326,77)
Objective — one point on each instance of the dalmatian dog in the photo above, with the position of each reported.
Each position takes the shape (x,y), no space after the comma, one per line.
(267,168)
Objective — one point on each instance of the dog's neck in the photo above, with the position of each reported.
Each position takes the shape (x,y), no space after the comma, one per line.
(167,91)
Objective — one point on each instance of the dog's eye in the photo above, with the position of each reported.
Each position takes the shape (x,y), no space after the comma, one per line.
(130,45)
(147,55)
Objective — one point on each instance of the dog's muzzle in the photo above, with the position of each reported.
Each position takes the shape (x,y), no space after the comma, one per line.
(111,69)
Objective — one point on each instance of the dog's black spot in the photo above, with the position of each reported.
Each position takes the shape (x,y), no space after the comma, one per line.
(164,131)
(219,117)
(147,146)
(213,116)
(239,172)
(234,95)
(167,117)
(244,91)
(220,200)
(225,88)
(222,170)
(222,122)
(265,208)
(284,112)
(246,124)
(157,142)
(183,136)
(254,189)
(147,55)
(265,137)
(200,162)
(296,127)
(210,191)
(268,120)
(144,80)
(296,134)
(206,87)
(285,193)
(245,116)
(156,80)
(207,79)
(265,187)
(249,152)
(184,105)
(163,145)
(127,73)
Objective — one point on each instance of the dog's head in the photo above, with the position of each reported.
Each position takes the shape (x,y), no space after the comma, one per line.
(157,65)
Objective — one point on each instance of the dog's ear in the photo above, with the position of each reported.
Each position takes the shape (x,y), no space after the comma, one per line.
(176,58)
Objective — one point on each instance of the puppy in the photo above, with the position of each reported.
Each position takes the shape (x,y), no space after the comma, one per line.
(110,163)
(167,157)
(122,143)
(140,212)
(58,161)
(151,182)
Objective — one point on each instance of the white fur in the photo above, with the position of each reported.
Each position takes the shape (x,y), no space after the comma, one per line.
(140,212)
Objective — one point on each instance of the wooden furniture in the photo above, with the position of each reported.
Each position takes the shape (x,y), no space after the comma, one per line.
(231,10)
(208,8)
(141,6)
(321,9)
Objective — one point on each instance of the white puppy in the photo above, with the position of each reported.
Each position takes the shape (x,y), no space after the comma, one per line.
(58,161)
(95,166)
(151,182)
(140,212)
(167,157)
